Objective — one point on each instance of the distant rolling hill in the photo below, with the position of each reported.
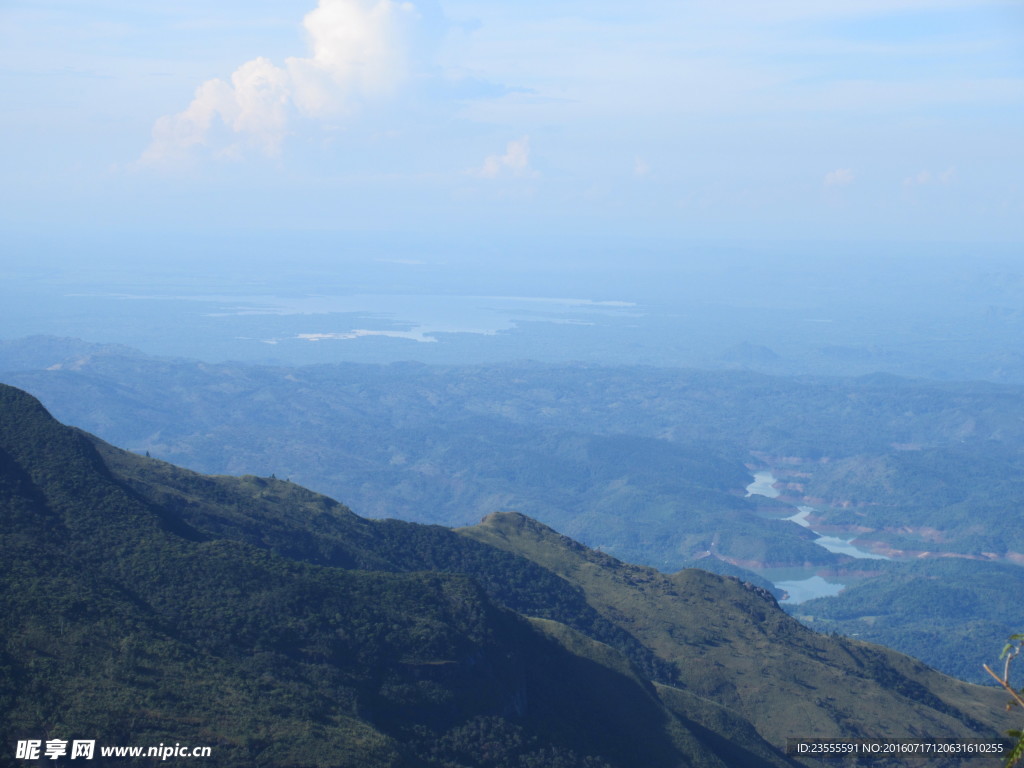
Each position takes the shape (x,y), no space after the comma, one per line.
(144,603)
(646,464)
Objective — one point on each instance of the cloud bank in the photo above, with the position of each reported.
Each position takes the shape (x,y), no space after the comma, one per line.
(356,52)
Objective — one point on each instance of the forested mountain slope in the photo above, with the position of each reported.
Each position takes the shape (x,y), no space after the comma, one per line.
(144,603)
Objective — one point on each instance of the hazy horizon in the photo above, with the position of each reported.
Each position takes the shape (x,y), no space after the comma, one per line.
(944,313)
(387,180)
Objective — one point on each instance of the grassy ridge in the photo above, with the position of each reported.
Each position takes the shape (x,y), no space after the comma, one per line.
(779,675)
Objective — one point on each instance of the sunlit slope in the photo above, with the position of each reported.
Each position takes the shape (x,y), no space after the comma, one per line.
(732,644)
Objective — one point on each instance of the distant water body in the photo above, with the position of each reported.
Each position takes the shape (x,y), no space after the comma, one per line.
(802,590)
(797,590)
(424,317)
(269,299)
(764,485)
(299,327)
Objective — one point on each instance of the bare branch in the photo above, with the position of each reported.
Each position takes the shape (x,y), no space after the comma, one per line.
(1006,684)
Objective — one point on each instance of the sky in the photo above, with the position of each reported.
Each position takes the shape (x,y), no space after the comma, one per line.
(479,122)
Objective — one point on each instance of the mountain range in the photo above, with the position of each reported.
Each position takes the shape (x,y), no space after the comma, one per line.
(144,603)
(649,465)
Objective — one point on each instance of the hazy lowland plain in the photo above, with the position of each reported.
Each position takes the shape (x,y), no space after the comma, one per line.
(877,393)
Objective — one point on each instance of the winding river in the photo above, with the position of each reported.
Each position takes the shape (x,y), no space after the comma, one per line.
(800,590)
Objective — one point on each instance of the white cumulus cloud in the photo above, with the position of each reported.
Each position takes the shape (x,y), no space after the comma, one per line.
(515,161)
(357,51)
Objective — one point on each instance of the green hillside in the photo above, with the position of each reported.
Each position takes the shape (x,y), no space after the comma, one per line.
(775,672)
(646,464)
(132,624)
(146,604)
(939,608)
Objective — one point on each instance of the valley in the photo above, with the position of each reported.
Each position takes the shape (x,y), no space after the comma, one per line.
(649,465)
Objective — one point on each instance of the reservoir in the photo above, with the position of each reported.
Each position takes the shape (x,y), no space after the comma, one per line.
(846,547)
(798,590)
(802,590)
(763,485)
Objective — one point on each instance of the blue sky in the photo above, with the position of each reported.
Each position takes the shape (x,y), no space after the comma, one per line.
(687,120)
